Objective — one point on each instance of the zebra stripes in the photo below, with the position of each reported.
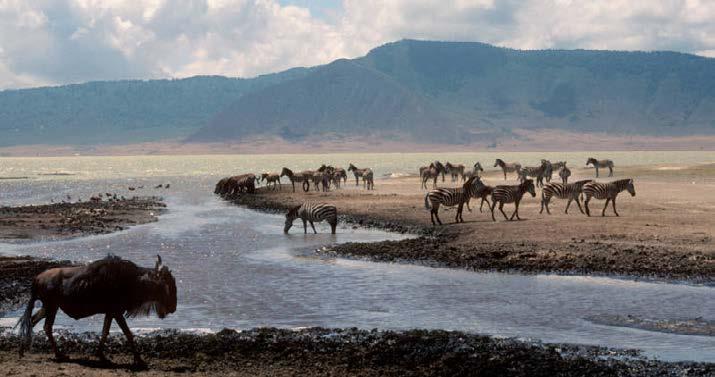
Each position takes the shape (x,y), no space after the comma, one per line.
(564,173)
(450,197)
(601,164)
(366,174)
(538,172)
(568,191)
(303,177)
(507,167)
(312,212)
(455,171)
(511,194)
(608,191)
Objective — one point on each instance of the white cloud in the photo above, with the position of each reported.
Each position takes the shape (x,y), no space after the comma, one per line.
(60,41)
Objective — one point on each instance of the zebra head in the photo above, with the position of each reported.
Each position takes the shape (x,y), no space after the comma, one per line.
(441,168)
(290,216)
(631,188)
(528,186)
(352,167)
(478,167)
(286,172)
(592,160)
(498,162)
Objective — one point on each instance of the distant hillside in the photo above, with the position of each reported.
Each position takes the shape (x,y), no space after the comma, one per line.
(456,92)
(116,112)
(417,91)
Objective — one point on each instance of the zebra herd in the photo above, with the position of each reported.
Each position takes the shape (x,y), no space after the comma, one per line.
(505,194)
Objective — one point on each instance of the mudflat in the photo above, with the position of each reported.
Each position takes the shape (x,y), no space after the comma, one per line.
(667,231)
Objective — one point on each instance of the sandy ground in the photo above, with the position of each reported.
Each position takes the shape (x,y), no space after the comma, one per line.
(336,352)
(667,231)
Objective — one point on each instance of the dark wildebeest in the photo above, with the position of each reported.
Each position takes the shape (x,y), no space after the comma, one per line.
(111,286)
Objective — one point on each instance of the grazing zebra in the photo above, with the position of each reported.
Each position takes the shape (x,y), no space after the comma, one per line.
(538,172)
(455,171)
(507,167)
(303,177)
(601,164)
(564,190)
(608,191)
(564,173)
(310,212)
(432,172)
(362,173)
(273,178)
(452,197)
(511,194)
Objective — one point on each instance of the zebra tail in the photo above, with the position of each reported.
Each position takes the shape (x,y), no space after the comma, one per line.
(25,323)
(427,203)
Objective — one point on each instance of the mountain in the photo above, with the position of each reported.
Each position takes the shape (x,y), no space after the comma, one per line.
(456,92)
(115,112)
(415,91)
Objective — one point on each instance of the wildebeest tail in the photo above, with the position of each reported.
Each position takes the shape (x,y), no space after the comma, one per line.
(427,203)
(25,323)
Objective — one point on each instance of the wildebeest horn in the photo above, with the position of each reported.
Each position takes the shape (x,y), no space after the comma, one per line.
(158,262)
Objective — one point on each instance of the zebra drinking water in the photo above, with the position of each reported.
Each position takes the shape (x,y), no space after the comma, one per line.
(608,191)
(452,197)
(312,212)
(601,164)
(511,194)
(569,191)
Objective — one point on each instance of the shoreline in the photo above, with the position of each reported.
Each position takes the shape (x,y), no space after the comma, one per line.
(320,351)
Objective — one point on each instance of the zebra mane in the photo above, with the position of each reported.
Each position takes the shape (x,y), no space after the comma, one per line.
(622,182)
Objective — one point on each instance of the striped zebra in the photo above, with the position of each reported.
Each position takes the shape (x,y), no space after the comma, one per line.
(272,178)
(450,197)
(474,172)
(608,191)
(550,168)
(569,191)
(365,173)
(482,193)
(564,173)
(312,212)
(432,172)
(601,164)
(507,167)
(339,174)
(303,177)
(455,171)
(511,194)
(538,172)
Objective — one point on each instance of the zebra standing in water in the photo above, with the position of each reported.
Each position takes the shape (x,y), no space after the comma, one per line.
(601,164)
(563,191)
(508,167)
(310,212)
(564,173)
(511,194)
(452,197)
(608,191)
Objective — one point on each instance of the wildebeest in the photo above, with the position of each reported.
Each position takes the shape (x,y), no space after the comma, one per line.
(111,286)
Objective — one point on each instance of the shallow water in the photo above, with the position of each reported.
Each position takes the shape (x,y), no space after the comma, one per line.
(235,268)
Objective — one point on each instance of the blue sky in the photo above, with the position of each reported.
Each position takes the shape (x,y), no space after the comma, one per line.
(51,42)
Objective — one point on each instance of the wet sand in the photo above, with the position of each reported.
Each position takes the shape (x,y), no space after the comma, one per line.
(336,352)
(666,231)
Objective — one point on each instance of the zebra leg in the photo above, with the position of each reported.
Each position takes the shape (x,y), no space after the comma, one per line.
(484,199)
(504,174)
(494,204)
(613,202)
(458,218)
(333,225)
(435,210)
(578,202)
(610,171)
(501,208)
(585,205)
(568,204)
(603,213)
(313,226)
(516,211)
(545,203)
(596,171)
(305,226)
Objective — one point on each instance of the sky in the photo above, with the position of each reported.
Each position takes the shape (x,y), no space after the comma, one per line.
(54,42)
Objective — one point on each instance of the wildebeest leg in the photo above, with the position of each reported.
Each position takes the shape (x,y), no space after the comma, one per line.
(313,226)
(603,213)
(501,208)
(50,313)
(105,333)
(130,340)
(516,211)
(305,226)
(613,202)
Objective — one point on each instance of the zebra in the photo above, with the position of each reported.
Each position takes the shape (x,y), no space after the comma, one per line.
(601,164)
(511,194)
(549,171)
(451,197)
(608,191)
(482,193)
(507,167)
(432,172)
(303,177)
(564,173)
(273,178)
(563,191)
(538,172)
(231,186)
(339,173)
(364,173)
(310,212)
(455,171)
(474,172)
